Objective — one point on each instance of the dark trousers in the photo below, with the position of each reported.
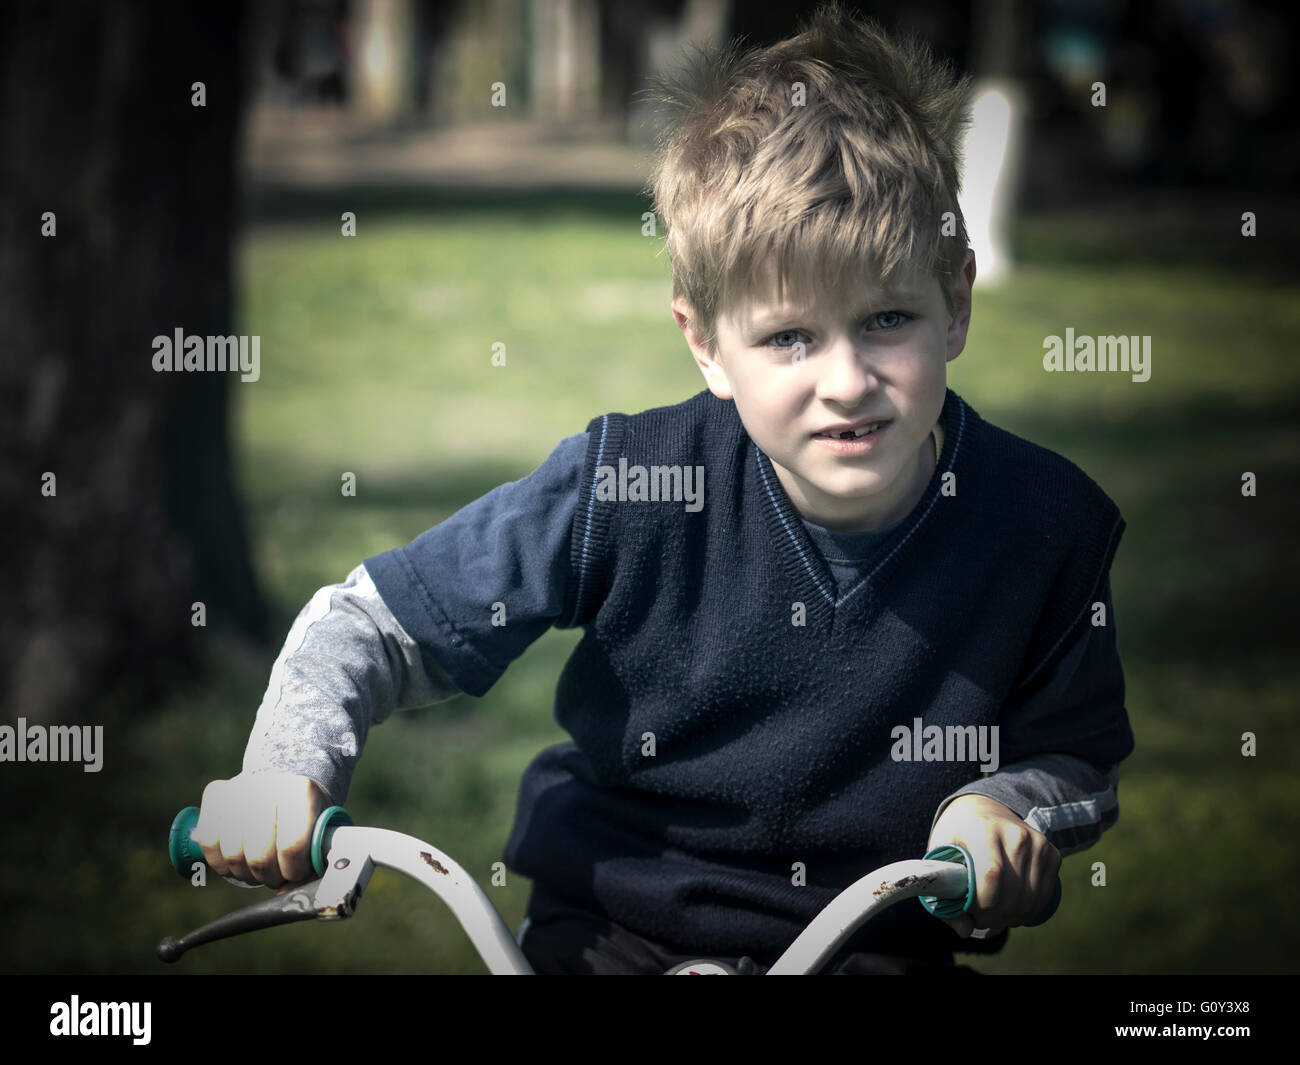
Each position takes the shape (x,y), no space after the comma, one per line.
(562,939)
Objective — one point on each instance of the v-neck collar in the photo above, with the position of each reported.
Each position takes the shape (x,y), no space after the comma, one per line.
(804,562)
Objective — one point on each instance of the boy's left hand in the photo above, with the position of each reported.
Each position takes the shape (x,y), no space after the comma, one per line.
(1015,865)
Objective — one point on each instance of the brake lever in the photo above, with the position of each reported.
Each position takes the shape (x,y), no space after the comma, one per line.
(333,897)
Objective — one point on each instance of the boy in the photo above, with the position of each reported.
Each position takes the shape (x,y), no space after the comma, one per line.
(789,584)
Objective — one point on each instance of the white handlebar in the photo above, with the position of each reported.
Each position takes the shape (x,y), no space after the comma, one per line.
(355,852)
(861,901)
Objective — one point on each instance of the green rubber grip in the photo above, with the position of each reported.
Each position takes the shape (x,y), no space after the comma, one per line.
(184,852)
(323,835)
(181,849)
(950,908)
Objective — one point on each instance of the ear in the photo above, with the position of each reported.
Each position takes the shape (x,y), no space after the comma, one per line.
(715,377)
(961,307)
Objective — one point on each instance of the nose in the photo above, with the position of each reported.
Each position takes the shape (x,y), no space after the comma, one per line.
(847,376)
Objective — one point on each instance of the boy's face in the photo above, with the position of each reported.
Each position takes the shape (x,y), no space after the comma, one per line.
(793,376)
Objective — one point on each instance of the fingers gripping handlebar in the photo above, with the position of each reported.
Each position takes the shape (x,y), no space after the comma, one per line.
(184,852)
(955,907)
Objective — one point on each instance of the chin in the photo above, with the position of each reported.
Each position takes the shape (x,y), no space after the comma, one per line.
(850,486)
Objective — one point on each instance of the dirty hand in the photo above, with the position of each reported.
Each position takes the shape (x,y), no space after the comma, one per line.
(257,828)
(1015,866)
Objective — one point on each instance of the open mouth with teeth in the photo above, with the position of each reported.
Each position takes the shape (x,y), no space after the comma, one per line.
(853,434)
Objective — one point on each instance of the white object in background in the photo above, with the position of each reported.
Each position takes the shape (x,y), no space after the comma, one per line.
(992,154)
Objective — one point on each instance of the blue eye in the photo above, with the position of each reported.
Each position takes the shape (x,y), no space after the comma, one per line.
(895,320)
(784,333)
(903,317)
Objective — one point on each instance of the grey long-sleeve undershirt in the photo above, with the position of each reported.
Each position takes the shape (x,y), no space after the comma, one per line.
(347,664)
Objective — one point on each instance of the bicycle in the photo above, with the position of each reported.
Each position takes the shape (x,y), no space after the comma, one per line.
(344,856)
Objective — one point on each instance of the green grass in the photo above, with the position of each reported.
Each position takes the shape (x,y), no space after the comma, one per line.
(376,360)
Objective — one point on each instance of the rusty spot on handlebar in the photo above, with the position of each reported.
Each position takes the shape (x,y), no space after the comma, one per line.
(345,908)
(433,862)
(900,884)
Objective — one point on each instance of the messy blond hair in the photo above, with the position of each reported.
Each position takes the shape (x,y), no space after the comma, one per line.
(752,187)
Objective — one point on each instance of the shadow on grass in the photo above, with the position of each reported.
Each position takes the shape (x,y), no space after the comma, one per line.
(270,205)
(1203,573)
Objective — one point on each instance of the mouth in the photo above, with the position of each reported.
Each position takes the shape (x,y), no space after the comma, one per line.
(848,432)
(850,442)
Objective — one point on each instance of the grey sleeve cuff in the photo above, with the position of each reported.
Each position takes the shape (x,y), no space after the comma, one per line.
(1070,801)
(346,664)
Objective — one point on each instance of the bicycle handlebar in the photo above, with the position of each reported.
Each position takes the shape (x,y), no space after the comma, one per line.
(344,856)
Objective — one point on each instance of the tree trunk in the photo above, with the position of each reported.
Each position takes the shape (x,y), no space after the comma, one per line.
(98,128)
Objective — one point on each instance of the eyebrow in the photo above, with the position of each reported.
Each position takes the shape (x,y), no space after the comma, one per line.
(788,316)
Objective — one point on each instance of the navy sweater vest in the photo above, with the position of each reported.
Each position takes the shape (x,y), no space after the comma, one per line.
(771,740)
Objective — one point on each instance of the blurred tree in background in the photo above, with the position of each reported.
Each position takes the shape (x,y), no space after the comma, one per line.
(119,199)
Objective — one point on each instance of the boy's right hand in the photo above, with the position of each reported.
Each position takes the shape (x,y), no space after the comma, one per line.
(257,828)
